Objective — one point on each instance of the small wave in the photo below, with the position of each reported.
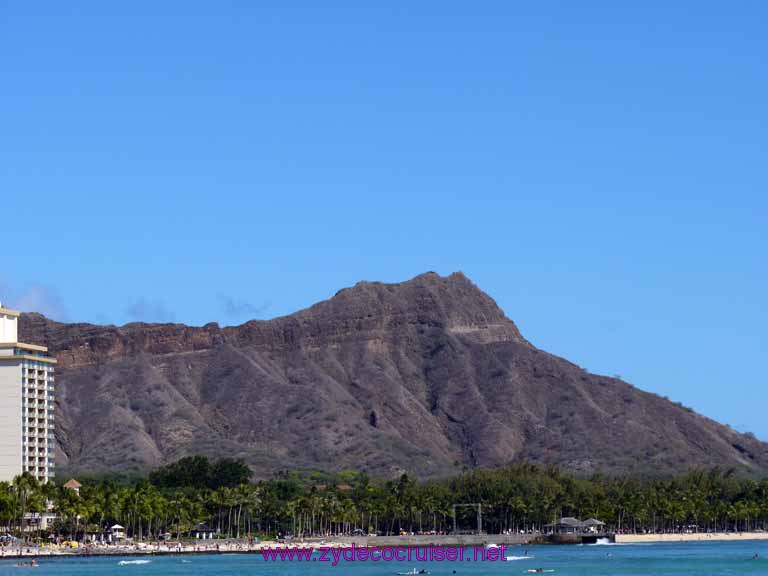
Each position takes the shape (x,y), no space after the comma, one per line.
(607,542)
(133,562)
(512,558)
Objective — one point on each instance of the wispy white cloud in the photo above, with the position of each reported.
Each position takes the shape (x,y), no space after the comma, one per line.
(240,309)
(34,298)
(149,310)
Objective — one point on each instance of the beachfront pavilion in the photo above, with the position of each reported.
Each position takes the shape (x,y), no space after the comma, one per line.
(567,525)
(593,525)
(570,525)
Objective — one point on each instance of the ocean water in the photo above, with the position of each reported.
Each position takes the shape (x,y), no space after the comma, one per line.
(704,558)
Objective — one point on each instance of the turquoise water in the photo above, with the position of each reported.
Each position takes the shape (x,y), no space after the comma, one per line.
(658,559)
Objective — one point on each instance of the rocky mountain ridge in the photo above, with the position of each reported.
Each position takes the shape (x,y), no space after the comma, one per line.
(427,376)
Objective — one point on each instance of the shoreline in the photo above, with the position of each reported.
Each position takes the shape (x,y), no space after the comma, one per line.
(226,547)
(242,547)
(694,537)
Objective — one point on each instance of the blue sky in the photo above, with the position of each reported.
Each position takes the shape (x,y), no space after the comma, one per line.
(598,167)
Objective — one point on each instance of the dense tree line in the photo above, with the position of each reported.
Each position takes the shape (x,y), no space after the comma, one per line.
(524,497)
(199,472)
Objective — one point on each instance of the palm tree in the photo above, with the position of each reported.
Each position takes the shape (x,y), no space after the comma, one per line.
(25,488)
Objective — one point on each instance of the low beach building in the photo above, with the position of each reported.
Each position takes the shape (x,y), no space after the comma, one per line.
(116,532)
(570,525)
(202,532)
(27,398)
(567,525)
(593,525)
(34,521)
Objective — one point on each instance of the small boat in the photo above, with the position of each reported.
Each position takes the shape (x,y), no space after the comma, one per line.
(491,545)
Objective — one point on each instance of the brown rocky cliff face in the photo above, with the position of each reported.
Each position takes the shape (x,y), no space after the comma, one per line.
(81,345)
(427,376)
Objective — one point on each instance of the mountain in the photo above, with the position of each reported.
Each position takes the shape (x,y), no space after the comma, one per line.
(426,376)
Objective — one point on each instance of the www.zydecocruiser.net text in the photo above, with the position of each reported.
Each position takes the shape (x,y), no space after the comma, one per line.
(355,553)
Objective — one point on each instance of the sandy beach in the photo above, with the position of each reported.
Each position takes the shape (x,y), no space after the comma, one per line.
(698,537)
(244,547)
(144,548)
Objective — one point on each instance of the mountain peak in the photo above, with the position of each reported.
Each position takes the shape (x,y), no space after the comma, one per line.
(423,375)
(450,303)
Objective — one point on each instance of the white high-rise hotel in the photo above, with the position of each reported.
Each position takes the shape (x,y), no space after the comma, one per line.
(26,404)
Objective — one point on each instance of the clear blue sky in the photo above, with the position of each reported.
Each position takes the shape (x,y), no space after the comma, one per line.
(598,167)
